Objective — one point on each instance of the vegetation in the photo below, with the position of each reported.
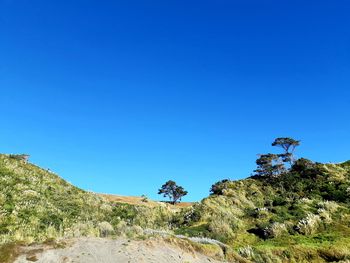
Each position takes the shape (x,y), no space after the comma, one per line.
(288,145)
(20,157)
(273,165)
(173,191)
(219,187)
(36,205)
(8,252)
(298,213)
(269,165)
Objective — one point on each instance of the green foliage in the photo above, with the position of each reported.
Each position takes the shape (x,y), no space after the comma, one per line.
(173,191)
(302,215)
(219,187)
(273,165)
(269,165)
(36,204)
(201,230)
(314,180)
(295,217)
(36,200)
(288,144)
(345,164)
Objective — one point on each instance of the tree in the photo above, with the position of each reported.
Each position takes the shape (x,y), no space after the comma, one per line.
(173,191)
(289,145)
(269,165)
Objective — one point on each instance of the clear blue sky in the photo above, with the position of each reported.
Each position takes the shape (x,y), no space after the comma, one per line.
(120,96)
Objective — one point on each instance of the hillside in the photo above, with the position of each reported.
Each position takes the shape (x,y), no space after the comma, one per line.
(139,200)
(301,216)
(37,204)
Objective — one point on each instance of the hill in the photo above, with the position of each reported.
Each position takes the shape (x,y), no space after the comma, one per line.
(302,215)
(141,200)
(37,204)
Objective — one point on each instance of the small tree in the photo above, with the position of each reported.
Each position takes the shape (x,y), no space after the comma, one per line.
(173,191)
(269,165)
(288,144)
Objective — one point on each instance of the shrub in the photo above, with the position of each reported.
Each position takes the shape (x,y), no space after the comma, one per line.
(345,164)
(106,229)
(275,230)
(121,227)
(334,254)
(246,252)
(348,191)
(192,214)
(324,215)
(330,206)
(144,199)
(303,166)
(82,229)
(309,224)
(259,212)
(134,231)
(219,187)
(220,229)
(279,201)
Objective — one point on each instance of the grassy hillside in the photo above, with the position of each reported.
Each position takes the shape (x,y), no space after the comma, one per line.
(301,216)
(36,205)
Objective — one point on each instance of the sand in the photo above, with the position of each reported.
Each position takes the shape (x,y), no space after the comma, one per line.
(100,250)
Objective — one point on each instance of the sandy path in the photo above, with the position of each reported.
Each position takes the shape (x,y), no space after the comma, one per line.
(98,250)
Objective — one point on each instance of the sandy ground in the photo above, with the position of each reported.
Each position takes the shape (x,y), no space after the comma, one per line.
(99,250)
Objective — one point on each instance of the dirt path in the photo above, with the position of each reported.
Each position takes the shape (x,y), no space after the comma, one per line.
(98,250)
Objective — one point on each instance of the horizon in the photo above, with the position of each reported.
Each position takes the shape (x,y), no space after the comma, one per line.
(119,98)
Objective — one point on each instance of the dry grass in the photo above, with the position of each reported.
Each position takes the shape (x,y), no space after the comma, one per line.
(138,200)
(9,252)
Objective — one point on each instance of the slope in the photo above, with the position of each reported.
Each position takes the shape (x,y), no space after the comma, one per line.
(301,216)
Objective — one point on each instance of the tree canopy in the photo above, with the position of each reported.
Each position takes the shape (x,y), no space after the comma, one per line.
(269,165)
(286,143)
(173,191)
(289,145)
(273,165)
